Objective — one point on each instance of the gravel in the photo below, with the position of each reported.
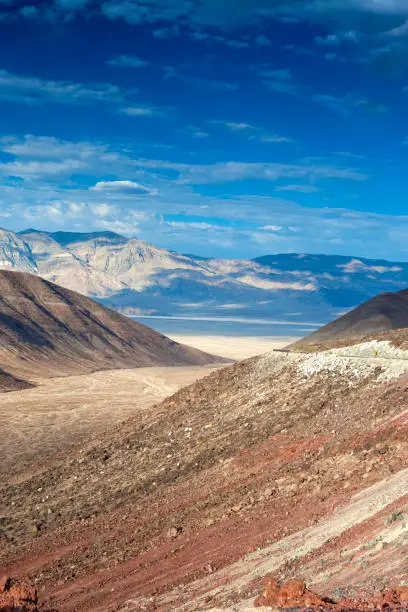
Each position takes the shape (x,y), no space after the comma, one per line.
(374,359)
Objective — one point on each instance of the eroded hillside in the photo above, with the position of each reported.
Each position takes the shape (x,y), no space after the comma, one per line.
(250,471)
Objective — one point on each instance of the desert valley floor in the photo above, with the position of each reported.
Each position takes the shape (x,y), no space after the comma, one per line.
(65,411)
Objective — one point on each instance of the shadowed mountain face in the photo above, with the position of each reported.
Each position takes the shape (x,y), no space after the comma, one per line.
(10,383)
(136,277)
(46,330)
(385,312)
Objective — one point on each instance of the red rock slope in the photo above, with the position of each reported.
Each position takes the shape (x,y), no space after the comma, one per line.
(284,465)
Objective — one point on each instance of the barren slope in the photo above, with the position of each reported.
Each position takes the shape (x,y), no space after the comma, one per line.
(46,330)
(385,312)
(249,471)
(60,413)
(10,383)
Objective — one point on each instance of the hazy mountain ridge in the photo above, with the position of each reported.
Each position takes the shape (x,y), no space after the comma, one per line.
(137,277)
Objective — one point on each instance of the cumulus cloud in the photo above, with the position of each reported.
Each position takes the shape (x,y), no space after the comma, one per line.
(191,217)
(122,187)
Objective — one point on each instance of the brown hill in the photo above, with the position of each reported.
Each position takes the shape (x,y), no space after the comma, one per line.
(286,464)
(46,330)
(10,383)
(385,312)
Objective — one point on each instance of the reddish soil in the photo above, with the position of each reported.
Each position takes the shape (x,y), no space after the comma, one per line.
(155,509)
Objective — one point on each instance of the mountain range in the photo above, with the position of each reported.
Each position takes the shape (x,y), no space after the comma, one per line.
(138,278)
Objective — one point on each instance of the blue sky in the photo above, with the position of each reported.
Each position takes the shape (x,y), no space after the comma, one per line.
(216,127)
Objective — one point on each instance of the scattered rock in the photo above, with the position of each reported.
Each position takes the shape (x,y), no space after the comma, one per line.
(294,594)
(172,532)
(17,596)
(394,599)
(291,594)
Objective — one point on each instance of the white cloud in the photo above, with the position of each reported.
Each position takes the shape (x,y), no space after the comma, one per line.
(235,171)
(138,111)
(226,15)
(41,169)
(123,187)
(103,210)
(191,225)
(127,61)
(299,188)
(401,30)
(45,147)
(238,127)
(196,132)
(351,103)
(51,191)
(275,138)
(252,132)
(34,90)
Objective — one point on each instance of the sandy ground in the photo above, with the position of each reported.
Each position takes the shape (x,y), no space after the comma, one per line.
(234,347)
(62,412)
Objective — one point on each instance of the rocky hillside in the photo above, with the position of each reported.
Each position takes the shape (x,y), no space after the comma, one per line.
(136,277)
(11,383)
(384,313)
(46,330)
(288,465)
